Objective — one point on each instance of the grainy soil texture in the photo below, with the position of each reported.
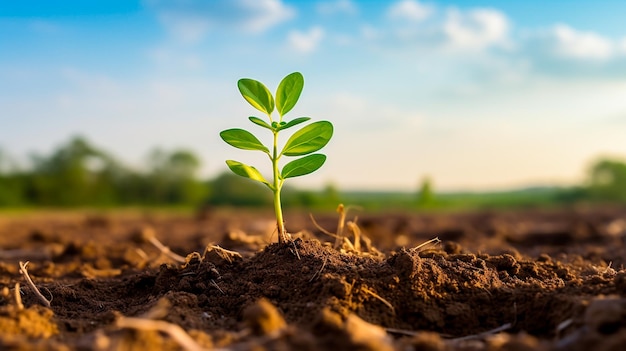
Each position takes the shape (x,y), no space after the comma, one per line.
(523,280)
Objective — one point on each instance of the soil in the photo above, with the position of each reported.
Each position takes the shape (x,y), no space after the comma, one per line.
(523,280)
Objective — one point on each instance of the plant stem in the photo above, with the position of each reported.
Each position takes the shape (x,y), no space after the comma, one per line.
(280,225)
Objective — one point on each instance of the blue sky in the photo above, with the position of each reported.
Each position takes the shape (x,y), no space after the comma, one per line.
(474,94)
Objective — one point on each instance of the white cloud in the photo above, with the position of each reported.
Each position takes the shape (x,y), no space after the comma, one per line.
(305,42)
(263,14)
(191,20)
(369,32)
(411,10)
(622,45)
(581,45)
(413,27)
(337,7)
(562,50)
(476,29)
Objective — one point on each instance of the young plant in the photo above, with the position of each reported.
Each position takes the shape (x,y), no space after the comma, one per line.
(303,142)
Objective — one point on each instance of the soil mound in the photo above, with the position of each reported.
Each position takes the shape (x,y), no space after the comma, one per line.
(124,293)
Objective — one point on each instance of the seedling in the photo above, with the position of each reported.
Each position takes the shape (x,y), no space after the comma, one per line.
(305,141)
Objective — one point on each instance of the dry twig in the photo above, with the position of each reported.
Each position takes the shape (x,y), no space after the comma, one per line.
(340,224)
(342,241)
(357,234)
(217,286)
(142,254)
(401,331)
(319,227)
(387,303)
(319,272)
(165,250)
(501,328)
(31,285)
(174,331)
(563,325)
(296,250)
(433,241)
(18,297)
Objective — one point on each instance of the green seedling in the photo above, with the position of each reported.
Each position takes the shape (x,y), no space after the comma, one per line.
(303,142)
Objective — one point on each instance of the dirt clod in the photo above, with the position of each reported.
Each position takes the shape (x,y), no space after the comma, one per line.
(32,322)
(263,318)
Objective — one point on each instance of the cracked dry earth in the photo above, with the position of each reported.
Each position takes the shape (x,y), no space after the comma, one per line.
(526,280)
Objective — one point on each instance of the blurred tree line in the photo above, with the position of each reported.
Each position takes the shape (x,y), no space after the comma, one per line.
(79,174)
(607,181)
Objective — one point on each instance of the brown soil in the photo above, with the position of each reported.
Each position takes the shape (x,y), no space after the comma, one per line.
(532,280)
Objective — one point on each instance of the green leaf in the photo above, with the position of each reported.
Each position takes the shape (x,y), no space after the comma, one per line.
(288,92)
(294,122)
(246,171)
(302,166)
(258,121)
(256,94)
(309,139)
(242,139)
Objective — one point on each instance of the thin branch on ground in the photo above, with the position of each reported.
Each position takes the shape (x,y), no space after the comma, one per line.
(463,338)
(319,272)
(357,234)
(341,241)
(18,297)
(319,227)
(499,329)
(563,325)
(433,241)
(375,295)
(609,268)
(217,286)
(174,331)
(165,250)
(142,254)
(340,225)
(31,285)
(401,331)
(296,250)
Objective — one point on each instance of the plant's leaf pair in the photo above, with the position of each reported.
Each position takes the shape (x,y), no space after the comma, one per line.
(261,98)
(276,126)
(305,141)
(296,168)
